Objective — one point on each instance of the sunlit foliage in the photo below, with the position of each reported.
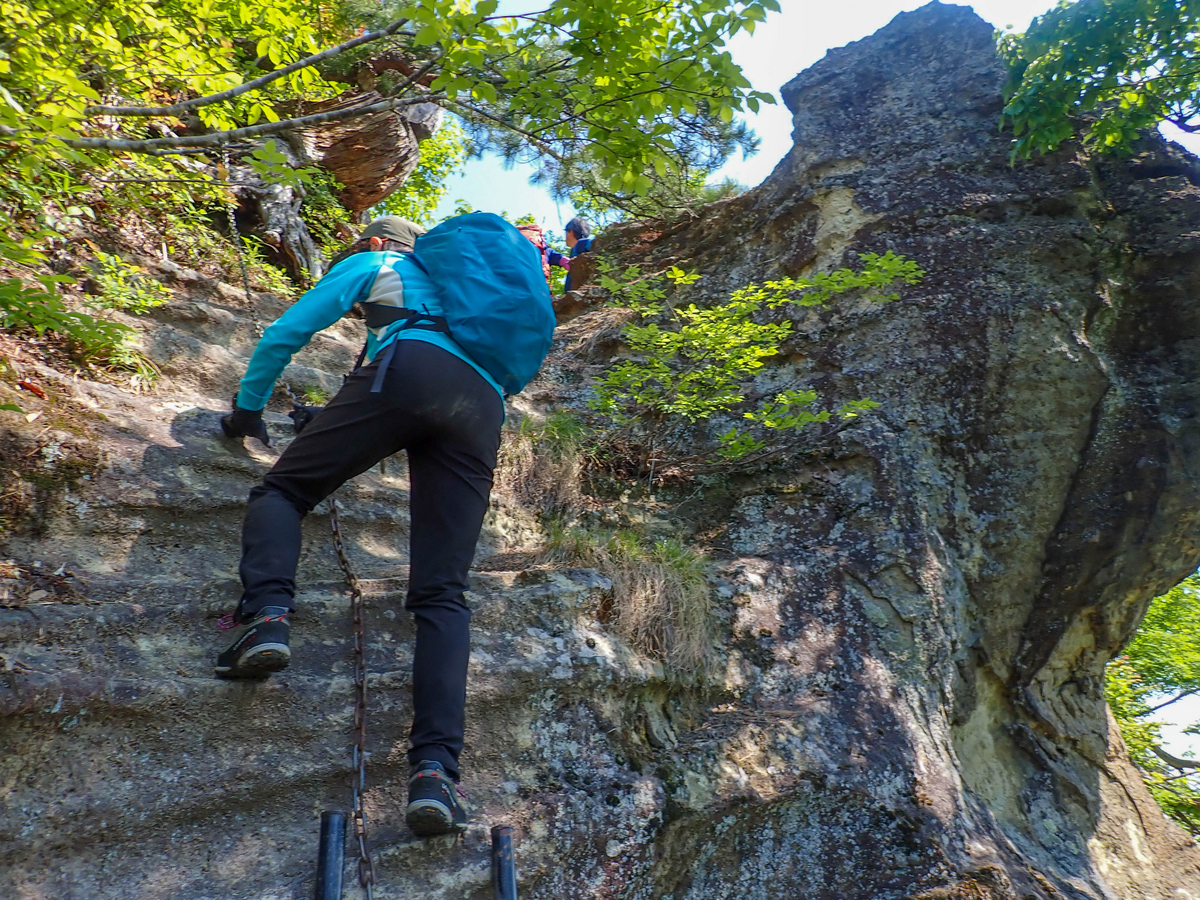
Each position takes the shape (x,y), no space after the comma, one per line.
(1106,69)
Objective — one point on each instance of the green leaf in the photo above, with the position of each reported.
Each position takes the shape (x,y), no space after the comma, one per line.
(427,36)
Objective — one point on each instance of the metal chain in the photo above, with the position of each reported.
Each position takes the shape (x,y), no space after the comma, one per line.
(241,257)
(366,867)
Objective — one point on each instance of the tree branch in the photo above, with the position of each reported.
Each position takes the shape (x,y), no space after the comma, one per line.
(177,108)
(156,181)
(389,61)
(221,138)
(417,76)
(1186,693)
(1175,760)
(1184,125)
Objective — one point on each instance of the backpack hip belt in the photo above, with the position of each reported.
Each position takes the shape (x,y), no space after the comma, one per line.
(380,315)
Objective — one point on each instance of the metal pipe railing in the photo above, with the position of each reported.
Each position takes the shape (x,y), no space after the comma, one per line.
(332,852)
(504,870)
(331,856)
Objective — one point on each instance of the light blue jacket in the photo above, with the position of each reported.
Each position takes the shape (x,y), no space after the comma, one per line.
(392,279)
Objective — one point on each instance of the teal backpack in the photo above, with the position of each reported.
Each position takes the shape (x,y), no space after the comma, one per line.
(495,298)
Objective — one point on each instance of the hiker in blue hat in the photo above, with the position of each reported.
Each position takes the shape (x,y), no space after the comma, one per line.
(443,347)
(579,240)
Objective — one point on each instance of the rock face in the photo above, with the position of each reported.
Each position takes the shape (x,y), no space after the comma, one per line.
(915,617)
(934,609)
(370,156)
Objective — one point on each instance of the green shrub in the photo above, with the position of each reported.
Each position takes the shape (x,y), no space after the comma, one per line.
(323,213)
(124,287)
(689,363)
(23,308)
(313,395)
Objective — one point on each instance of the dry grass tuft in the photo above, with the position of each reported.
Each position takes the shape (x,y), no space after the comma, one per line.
(662,603)
(540,465)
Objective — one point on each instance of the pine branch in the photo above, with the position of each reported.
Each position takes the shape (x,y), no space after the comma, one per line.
(196,103)
(1186,693)
(1175,760)
(221,138)
(533,139)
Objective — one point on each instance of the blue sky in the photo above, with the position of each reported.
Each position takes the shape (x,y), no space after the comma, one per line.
(787,43)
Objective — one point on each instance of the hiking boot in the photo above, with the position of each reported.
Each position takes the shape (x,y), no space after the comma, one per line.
(260,648)
(433,806)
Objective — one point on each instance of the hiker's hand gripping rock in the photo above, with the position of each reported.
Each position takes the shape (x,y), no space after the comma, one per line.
(301,415)
(245,423)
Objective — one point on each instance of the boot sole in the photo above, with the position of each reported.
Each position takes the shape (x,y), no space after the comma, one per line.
(258,662)
(429,817)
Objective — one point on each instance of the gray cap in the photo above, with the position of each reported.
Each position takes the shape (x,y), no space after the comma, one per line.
(393,228)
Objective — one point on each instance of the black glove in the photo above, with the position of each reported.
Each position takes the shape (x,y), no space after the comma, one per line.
(301,415)
(245,423)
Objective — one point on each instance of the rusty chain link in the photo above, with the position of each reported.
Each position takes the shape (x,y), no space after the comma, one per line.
(241,257)
(366,866)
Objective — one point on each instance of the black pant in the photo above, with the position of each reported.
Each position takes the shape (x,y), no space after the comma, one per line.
(448,418)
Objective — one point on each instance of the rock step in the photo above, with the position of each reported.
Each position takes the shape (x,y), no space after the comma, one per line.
(203,338)
(156,738)
(121,606)
(141,774)
(132,656)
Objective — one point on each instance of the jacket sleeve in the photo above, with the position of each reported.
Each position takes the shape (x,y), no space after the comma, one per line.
(557,259)
(346,284)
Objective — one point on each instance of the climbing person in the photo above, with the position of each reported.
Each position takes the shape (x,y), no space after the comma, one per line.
(456,319)
(550,256)
(579,240)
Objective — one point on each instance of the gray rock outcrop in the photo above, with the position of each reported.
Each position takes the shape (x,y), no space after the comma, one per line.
(369,156)
(914,614)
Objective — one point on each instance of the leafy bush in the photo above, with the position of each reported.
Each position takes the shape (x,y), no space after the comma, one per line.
(1160,666)
(23,308)
(275,167)
(91,340)
(123,286)
(327,220)
(32,303)
(690,363)
(314,395)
